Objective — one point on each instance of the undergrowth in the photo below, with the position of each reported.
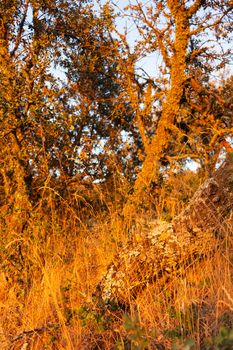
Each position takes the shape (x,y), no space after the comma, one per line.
(49,272)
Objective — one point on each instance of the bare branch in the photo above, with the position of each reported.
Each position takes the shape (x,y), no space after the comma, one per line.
(195,7)
(160,38)
(202,28)
(20,30)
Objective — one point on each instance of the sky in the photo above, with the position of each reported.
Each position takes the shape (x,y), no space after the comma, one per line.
(152,61)
(148,63)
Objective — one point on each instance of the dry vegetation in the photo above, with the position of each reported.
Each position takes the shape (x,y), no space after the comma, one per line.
(93,156)
(49,275)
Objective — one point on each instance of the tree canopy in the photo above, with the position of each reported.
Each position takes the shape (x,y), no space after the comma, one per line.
(74,105)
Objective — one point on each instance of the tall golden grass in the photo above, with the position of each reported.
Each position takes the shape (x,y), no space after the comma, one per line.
(50,271)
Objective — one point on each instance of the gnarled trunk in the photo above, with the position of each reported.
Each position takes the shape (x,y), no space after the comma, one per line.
(156,150)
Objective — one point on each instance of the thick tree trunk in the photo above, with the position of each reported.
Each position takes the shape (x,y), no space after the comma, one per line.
(159,145)
(192,235)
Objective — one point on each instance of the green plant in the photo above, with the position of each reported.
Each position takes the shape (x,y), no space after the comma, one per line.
(136,333)
(223,341)
(188,344)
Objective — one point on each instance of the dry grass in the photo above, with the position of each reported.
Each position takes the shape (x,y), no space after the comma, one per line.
(49,273)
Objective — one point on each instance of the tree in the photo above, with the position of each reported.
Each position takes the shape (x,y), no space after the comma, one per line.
(94,80)
(72,104)
(59,103)
(177,30)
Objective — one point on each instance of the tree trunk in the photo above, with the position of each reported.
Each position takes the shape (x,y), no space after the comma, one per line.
(192,235)
(160,142)
(15,204)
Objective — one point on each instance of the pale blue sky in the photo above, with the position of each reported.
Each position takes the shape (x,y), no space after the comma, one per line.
(152,61)
(149,63)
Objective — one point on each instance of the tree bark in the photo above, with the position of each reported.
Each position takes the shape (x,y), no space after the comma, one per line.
(168,247)
(16,205)
(156,150)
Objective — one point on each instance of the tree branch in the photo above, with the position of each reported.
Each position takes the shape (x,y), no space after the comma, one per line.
(195,7)
(20,30)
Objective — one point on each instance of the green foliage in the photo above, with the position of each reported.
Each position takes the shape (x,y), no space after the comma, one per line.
(223,341)
(188,344)
(136,334)
(94,318)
